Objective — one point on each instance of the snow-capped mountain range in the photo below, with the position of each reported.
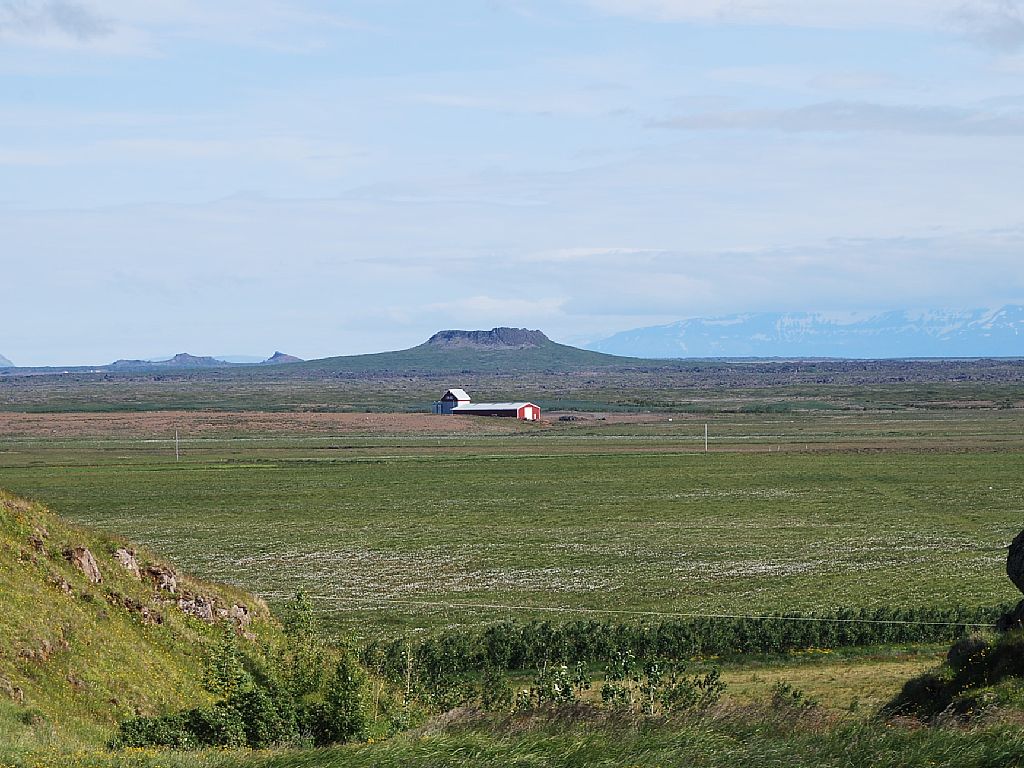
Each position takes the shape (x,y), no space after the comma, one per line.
(937,333)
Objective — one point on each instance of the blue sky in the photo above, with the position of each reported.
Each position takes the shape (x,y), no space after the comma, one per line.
(335,178)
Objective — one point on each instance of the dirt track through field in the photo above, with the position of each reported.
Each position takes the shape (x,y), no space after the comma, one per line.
(223,423)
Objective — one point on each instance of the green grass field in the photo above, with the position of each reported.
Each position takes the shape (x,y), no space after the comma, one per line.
(394,532)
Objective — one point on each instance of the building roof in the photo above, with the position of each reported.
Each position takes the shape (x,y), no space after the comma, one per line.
(458,394)
(492,407)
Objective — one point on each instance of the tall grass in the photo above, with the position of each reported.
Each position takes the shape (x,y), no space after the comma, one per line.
(731,738)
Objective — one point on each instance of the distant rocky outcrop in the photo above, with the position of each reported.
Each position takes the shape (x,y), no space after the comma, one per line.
(496,338)
(5,363)
(181,360)
(184,360)
(280,358)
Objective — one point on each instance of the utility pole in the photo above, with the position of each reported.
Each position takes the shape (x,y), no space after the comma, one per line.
(705,438)
(177,452)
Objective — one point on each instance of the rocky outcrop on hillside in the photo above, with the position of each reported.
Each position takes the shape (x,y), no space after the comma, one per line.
(83,560)
(163,576)
(496,338)
(128,561)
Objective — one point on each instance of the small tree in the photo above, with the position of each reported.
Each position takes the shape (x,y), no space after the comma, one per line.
(303,659)
(621,679)
(555,684)
(342,716)
(496,693)
(225,673)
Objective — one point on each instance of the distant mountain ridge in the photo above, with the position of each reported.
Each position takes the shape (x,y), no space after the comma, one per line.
(185,360)
(5,363)
(180,360)
(944,333)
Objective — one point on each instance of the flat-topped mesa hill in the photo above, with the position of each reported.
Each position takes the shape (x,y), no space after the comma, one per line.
(94,629)
(496,338)
(499,350)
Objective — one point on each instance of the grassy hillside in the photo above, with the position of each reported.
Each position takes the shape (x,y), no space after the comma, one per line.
(77,656)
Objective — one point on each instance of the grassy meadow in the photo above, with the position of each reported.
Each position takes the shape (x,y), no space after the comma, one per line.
(393,531)
(400,525)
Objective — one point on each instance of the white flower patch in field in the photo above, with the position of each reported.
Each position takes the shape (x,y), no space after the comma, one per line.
(552,579)
(711,571)
(745,493)
(363,575)
(908,541)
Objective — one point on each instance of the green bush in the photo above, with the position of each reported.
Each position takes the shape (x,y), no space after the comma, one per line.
(555,684)
(165,731)
(496,693)
(657,686)
(442,668)
(342,715)
(786,697)
(267,719)
(263,704)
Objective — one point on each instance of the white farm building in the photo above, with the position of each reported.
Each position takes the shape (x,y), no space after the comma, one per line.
(457,403)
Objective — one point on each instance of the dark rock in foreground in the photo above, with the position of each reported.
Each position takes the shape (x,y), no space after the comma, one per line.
(1015,570)
(1015,562)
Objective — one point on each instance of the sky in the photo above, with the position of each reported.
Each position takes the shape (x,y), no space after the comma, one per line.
(331,178)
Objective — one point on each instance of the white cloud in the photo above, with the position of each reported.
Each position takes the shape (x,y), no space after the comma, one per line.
(39,18)
(861,117)
(346,276)
(994,24)
(584,255)
(803,13)
(133,27)
(497,309)
(998,24)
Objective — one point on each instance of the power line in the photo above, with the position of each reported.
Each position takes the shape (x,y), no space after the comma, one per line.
(666,614)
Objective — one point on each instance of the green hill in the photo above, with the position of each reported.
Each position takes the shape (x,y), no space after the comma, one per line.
(500,350)
(82,649)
